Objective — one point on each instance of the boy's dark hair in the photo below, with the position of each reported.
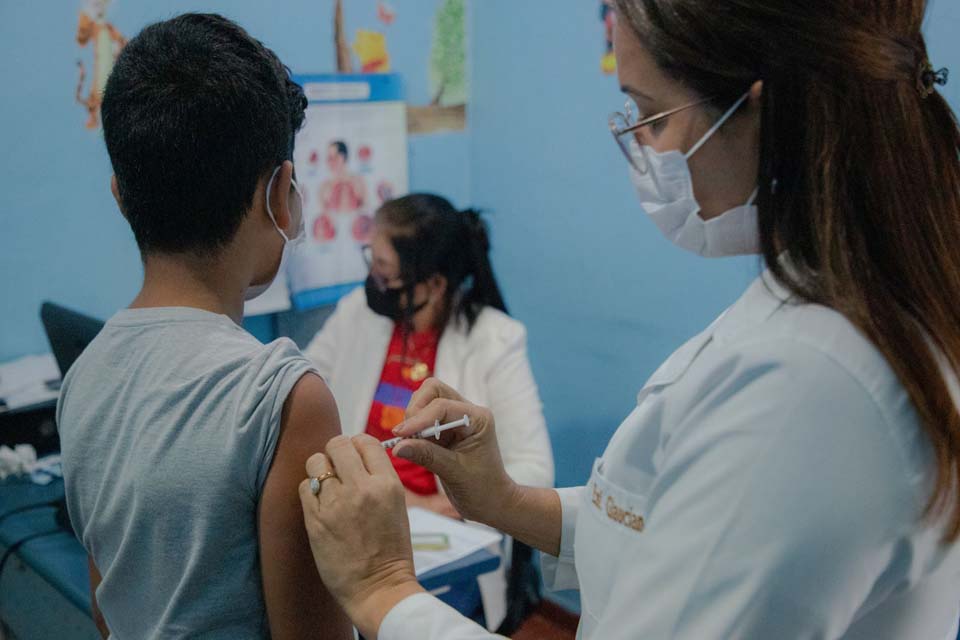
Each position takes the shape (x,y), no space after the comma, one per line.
(195,113)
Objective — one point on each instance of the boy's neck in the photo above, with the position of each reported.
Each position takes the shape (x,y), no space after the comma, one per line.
(176,281)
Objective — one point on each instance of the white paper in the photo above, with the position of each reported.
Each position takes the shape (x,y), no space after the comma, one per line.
(26,372)
(23,382)
(465,539)
(30,396)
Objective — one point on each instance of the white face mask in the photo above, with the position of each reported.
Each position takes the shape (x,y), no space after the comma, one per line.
(666,194)
(289,244)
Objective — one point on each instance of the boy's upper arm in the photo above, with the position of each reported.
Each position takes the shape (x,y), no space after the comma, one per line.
(298,605)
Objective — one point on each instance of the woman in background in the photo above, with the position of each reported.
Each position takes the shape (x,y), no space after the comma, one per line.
(431,307)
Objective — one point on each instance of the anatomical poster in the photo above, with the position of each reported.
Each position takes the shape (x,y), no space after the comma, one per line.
(350,157)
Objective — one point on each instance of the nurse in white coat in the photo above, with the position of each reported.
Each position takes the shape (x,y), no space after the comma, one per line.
(791,472)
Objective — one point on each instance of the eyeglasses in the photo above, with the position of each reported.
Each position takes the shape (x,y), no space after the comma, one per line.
(632,136)
(382,283)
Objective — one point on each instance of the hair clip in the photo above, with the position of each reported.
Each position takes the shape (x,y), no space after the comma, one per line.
(927,79)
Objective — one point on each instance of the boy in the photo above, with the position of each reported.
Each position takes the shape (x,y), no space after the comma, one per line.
(183,437)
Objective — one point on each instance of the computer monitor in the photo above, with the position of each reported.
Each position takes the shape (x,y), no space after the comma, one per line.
(68,332)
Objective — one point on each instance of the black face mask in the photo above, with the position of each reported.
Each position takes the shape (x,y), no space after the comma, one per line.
(386,302)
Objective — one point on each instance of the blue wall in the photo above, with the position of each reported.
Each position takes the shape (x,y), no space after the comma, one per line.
(62,237)
(604,296)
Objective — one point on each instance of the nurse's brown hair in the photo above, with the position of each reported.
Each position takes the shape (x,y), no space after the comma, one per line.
(859,173)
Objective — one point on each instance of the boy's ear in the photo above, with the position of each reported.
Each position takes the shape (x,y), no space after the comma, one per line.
(280,195)
(115,190)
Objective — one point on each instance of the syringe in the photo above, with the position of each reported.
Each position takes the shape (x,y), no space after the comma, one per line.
(430,432)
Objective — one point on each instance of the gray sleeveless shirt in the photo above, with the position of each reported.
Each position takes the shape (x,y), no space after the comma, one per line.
(168,425)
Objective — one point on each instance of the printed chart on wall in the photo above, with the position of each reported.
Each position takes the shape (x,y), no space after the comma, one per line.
(350,157)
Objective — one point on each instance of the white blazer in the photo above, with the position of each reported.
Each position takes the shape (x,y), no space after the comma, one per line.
(769,484)
(488,366)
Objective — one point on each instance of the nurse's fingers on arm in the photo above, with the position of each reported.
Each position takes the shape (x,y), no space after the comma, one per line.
(346,461)
(431,389)
(317,465)
(375,459)
(314,515)
(311,507)
(329,490)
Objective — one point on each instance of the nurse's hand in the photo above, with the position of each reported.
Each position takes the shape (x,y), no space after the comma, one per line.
(466,459)
(358,529)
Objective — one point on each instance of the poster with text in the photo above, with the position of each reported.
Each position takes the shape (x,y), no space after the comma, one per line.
(350,157)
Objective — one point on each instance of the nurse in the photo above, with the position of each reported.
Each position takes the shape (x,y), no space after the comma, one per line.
(792,471)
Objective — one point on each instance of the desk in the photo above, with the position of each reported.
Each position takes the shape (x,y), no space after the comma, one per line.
(456,583)
(44,587)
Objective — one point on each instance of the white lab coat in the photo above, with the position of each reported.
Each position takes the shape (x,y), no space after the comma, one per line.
(769,484)
(488,365)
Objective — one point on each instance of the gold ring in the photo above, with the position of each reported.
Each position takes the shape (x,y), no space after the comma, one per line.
(316,482)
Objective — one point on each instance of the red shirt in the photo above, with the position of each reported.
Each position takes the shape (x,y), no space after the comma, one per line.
(404,371)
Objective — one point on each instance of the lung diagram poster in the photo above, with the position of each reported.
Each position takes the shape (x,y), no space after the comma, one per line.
(350,157)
